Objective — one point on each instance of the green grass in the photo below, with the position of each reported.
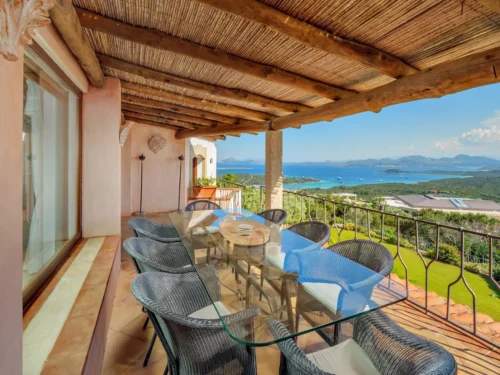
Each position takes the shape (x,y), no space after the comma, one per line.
(440,276)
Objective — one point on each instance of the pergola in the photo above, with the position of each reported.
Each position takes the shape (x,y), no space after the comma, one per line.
(211,68)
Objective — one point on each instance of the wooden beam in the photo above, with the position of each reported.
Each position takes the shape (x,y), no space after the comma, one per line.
(66,21)
(225,129)
(202,87)
(180,124)
(448,78)
(169,115)
(493,5)
(313,37)
(190,112)
(152,123)
(206,104)
(123,121)
(161,40)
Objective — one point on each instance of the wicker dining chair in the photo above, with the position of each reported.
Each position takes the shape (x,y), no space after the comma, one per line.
(372,255)
(275,215)
(315,231)
(202,204)
(376,345)
(149,255)
(155,231)
(188,326)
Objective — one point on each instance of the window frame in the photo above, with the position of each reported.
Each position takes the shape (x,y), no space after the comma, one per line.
(47,273)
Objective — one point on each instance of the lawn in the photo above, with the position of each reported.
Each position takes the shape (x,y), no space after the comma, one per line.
(440,276)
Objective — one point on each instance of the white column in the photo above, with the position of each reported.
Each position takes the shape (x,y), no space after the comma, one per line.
(274,169)
(101,187)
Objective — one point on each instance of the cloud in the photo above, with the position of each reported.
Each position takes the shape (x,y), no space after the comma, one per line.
(448,144)
(489,133)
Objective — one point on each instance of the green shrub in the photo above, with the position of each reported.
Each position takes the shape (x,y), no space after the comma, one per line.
(496,273)
(447,254)
(349,226)
(374,234)
(476,268)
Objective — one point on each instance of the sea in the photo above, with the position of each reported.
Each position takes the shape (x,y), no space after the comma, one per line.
(330,176)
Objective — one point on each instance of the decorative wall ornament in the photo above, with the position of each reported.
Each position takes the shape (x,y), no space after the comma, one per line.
(156,143)
(18,21)
(124,132)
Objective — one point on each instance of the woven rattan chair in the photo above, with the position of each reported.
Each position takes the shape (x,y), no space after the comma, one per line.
(314,310)
(386,349)
(315,231)
(149,255)
(189,327)
(276,215)
(202,204)
(155,231)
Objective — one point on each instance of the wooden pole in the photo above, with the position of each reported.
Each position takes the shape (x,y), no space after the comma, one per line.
(162,120)
(169,115)
(190,112)
(451,77)
(66,21)
(205,88)
(164,41)
(196,102)
(313,37)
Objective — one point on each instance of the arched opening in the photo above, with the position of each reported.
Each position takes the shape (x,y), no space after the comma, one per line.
(198,168)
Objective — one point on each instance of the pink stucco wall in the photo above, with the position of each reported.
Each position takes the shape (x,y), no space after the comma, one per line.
(11,120)
(101,117)
(161,171)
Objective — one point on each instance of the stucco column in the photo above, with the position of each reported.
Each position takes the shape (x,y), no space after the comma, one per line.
(274,169)
(101,159)
(11,220)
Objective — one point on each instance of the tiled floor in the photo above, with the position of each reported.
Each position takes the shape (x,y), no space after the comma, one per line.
(128,343)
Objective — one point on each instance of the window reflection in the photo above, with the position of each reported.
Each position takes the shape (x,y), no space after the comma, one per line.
(50,167)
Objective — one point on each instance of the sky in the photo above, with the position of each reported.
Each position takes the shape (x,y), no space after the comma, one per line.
(462,123)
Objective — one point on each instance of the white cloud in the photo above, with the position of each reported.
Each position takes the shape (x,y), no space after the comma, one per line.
(489,133)
(448,144)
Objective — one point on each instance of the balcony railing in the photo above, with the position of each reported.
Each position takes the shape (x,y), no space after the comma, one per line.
(409,237)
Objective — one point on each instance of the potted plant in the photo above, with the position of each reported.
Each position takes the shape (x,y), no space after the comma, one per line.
(204,188)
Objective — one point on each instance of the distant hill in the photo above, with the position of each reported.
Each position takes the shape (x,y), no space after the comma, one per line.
(236,161)
(423,161)
(461,160)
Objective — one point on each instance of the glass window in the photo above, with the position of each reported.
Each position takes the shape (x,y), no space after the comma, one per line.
(50,170)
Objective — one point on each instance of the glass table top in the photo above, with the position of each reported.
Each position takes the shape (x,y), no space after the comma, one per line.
(268,272)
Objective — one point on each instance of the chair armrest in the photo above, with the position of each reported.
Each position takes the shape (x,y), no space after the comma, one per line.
(387,344)
(239,317)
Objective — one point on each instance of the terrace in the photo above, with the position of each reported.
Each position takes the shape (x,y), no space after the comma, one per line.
(114,109)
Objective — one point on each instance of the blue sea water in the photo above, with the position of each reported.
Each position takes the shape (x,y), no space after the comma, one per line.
(330,176)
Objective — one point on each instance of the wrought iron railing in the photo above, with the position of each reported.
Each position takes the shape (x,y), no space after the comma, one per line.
(349,219)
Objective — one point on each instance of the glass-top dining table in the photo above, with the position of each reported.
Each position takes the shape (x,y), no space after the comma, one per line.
(274,273)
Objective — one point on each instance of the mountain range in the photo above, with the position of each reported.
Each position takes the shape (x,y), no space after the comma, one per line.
(405,161)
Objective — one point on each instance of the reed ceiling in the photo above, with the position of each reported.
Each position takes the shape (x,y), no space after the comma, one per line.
(421,34)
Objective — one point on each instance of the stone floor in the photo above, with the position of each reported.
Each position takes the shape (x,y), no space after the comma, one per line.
(128,342)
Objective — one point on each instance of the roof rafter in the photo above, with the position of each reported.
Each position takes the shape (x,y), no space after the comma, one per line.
(179,110)
(314,37)
(196,102)
(202,87)
(168,115)
(161,40)
(163,120)
(451,77)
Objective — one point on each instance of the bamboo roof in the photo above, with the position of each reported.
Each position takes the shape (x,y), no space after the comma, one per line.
(290,72)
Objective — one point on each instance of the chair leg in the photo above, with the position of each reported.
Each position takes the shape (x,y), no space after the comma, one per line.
(145,323)
(150,349)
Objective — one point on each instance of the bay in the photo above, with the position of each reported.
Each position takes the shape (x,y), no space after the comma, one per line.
(330,175)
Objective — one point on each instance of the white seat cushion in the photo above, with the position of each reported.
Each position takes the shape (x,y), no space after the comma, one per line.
(200,231)
(327,294)
(346,358)
(209,312)
(277,261)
